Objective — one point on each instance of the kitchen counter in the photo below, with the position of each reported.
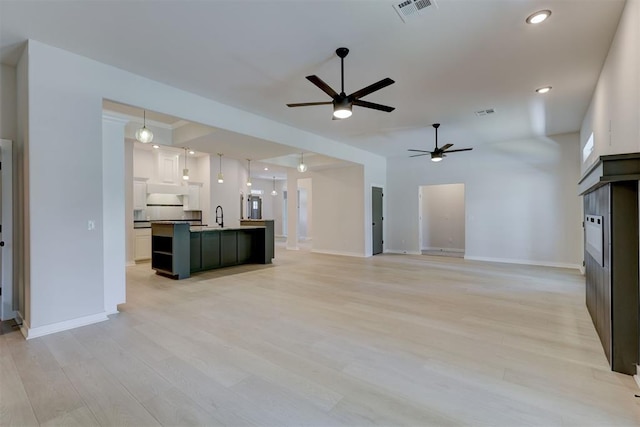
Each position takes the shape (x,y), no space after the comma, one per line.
(196,228)
(179,249)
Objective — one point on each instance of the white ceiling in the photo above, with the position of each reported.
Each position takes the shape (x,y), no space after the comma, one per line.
(463,56)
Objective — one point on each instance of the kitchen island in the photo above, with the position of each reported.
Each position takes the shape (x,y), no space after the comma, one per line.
(179,249)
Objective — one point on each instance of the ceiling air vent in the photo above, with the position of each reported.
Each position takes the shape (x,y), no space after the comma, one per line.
(412,8)
(486,112)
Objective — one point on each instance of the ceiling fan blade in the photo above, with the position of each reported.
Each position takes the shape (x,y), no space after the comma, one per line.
(445,147)
(371,88)
(419,151)
(374,106)
(322,85)
(418,155)
(462,149)
(308,104)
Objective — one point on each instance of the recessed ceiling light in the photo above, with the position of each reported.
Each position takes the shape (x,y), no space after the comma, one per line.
(192,152)
(543,89)
(156,146)
(538,17)
(266,169)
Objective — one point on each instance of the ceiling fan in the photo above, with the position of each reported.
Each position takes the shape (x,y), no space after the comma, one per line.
(438,153)
(342,103)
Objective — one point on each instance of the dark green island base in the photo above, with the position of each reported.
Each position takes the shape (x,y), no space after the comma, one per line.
(178,249)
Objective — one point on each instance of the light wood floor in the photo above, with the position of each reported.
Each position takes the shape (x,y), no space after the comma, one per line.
(325,340)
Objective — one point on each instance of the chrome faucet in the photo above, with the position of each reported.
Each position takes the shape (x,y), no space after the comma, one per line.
(220,217)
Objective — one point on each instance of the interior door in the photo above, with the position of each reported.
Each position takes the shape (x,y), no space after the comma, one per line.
(255,207)
(376,214)
(7,306)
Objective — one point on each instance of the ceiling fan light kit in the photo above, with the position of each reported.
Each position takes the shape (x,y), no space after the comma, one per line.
(343,103)
(439,152)
(342,109)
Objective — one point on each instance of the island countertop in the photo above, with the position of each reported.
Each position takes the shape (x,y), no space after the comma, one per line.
(197,228)
(179,248)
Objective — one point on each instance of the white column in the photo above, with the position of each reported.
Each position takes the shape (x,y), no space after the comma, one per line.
(292,210)
(113,210)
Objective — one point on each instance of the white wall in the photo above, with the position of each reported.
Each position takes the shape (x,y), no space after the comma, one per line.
(114,207)
(277,206)
(128,199)
(65,125)
(614,112)
(443,217)
(8,103)
(9,130)
(144,163)
(337,211)
(64,94)
(203,174)
(22,232)
(305,210)
(521,203)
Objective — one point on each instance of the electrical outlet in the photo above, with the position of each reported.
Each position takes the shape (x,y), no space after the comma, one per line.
(91,225)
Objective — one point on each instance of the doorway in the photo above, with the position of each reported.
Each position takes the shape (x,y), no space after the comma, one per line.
(376,217)
(254,207)
(442,220)
(8,294)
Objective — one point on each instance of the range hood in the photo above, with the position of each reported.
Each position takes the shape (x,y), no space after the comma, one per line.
(179,190)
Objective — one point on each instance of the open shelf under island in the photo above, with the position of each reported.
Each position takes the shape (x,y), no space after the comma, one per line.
(179,249)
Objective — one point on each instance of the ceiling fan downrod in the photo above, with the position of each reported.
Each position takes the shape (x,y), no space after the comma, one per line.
(342,52)
(436,126)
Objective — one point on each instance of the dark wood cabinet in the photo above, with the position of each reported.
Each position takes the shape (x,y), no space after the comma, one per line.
(195,252)
(264,240)
(612,295)
(210,249)
(170,254)
(229,243)
(245,249)
(178,251)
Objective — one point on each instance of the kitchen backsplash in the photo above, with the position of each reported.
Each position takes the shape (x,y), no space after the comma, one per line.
(165,207)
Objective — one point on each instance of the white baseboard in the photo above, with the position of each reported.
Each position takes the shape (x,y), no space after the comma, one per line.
(109,312)
(19,319)
(341,253)
(524,262)
(395,251)
(444,250)
(10,315)
(40,331)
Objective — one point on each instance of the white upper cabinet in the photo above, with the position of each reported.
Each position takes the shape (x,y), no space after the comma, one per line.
(168,168)
(139,195)
(192,200)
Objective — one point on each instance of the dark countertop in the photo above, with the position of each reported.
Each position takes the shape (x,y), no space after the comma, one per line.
(199,228)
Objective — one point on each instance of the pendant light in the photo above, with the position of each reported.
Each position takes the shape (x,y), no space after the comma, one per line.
(220,176)
(143,134)
(301,166)
(274,192)
(185,171)
(249,179)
